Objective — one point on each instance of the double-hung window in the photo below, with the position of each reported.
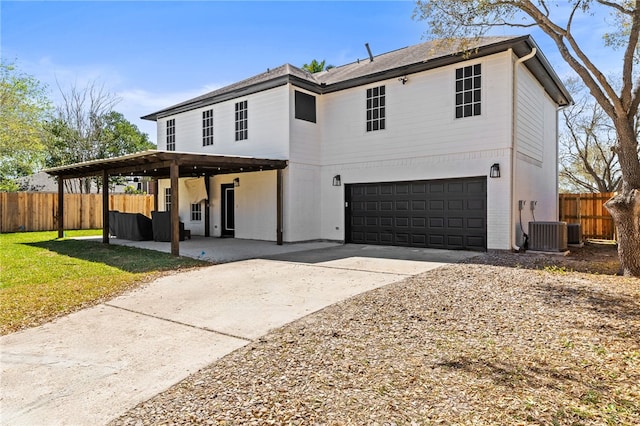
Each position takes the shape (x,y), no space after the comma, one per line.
(376,108)
(242,121)
(167,199)
(171,134)
(468,91)
(196,212)
(207,127)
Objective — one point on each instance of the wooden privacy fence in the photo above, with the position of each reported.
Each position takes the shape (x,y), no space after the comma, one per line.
(588,210)
(37,211)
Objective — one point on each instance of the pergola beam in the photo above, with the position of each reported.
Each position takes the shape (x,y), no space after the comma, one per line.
(175,213)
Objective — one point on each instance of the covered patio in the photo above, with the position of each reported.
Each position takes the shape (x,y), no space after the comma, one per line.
(162,165)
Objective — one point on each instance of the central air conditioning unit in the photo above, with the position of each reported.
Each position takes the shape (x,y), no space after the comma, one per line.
(548,236)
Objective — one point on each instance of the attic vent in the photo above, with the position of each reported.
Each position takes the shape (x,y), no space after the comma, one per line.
(369,52)
(548,236)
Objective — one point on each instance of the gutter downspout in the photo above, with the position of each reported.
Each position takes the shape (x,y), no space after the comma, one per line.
(514,135)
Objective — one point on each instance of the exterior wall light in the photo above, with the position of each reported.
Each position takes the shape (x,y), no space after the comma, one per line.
(236,182)
(494,172)
(336,180)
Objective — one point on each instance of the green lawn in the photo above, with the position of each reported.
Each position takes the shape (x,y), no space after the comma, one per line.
(43,277)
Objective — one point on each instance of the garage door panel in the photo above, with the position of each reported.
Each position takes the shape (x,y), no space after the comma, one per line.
(455,205)
(402,239)
(402,188)
(448,214)
(436,222)
(455,223)
(475,204)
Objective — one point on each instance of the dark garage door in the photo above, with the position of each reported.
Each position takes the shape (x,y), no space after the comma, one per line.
(444,214)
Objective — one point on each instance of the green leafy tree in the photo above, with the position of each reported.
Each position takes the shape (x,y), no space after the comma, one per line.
(470,19)
(24,108)
(315,66)
(87,128)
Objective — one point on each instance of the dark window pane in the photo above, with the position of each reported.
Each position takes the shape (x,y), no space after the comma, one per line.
(476,82)
(368,93)
(476,109)
(375,114)
(381,112)
(459,86)
(468,71)
(467,84)
(459,112)
(467,110)
(375,91)
(375,125)
(368,126)
(369,103)
(382,102)
(459,99)
(369,115)
(476,95)
(467,97)
(381,90)
(375,102)
(476,69)
(382,124)
(459,73)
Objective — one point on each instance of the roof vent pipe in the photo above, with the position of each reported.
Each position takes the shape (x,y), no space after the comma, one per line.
(369,51)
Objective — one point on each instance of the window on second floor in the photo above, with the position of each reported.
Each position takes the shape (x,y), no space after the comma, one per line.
(171,134)
(468,91)
(376,108)
(207,127)
(242,121)
(305,107)
(167,199)
(196,212)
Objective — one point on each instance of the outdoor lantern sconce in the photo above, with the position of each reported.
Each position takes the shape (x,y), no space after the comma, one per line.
(495,171)
(336,180)
(236,182)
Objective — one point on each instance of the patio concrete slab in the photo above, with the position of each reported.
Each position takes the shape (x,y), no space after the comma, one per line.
(222,250)
(94,365)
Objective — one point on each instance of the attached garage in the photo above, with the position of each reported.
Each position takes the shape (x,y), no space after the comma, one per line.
(443,214)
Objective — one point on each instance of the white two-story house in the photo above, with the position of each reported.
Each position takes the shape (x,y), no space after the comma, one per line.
(420,146)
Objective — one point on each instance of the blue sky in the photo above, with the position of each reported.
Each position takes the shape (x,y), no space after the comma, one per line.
(155,54)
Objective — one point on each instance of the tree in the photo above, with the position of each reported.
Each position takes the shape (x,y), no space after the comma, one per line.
(24,108)
(87,128)
(470,19)
(588,161)
(316,66)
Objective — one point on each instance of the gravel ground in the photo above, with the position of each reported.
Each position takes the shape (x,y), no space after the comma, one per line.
(505,339)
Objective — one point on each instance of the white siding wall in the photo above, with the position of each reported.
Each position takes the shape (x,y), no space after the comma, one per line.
(420,117)
(268,113)
(255,205)
(536,159)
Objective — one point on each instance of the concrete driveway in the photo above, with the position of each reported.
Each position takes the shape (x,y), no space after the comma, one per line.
(92,366)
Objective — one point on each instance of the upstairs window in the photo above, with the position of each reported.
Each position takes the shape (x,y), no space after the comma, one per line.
(375,109)
(242,131)
(207,127)
(167,199)
(468,91)
(305,107)
(171,134)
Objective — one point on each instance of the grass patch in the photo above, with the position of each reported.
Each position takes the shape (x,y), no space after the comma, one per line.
(43,277)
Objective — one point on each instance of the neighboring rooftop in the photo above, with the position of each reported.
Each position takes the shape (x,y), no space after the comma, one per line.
(410,59)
